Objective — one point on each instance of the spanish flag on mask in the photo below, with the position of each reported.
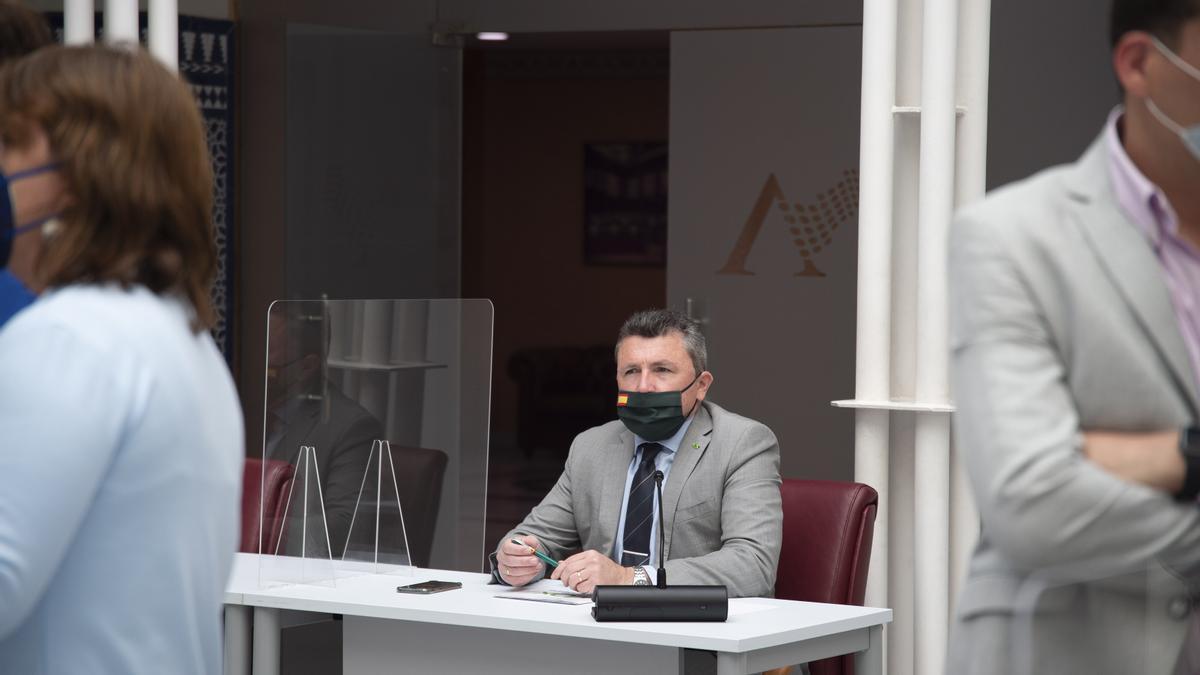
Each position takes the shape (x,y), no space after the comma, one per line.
(622,400)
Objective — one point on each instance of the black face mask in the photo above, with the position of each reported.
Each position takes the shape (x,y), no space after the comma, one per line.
(653,415)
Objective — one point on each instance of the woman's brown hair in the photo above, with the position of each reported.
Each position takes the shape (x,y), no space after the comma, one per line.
(129,140)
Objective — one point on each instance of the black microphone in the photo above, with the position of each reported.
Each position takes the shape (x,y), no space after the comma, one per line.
(659,603)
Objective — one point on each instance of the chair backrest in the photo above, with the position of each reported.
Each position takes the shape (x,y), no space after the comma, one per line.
(419,476)
(827,531)
(278,480)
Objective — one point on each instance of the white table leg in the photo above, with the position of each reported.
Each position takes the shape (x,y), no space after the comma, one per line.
(731,664)
(870,662)
(266,641)
(237,640)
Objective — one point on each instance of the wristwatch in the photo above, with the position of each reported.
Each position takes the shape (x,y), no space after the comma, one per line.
(1189,447)
(641,577)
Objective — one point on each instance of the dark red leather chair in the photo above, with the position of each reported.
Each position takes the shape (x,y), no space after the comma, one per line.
(420,473)
(827,532)
(278,481)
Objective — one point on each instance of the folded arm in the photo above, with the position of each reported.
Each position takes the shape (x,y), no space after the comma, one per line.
(1043,504)
(1152,459)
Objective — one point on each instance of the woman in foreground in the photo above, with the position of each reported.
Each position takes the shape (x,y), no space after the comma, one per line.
(121,442)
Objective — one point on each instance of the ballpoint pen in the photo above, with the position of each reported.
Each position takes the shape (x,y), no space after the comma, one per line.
(541,556)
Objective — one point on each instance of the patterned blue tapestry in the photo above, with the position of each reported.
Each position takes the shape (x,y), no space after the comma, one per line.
(206,60)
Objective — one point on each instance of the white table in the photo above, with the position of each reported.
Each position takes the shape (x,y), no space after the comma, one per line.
(470,630)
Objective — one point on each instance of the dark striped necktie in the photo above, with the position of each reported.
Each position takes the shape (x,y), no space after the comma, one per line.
(639,514)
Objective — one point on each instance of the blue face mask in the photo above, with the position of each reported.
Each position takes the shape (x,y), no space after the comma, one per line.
(1189,135)
(9,229)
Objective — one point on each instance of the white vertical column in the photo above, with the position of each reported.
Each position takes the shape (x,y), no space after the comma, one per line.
(875,272)
(79,22)
(905,336)
(120,21)
(936,208)
(164,31)
(973,68)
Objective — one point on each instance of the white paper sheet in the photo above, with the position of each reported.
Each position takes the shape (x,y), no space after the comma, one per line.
(547,590)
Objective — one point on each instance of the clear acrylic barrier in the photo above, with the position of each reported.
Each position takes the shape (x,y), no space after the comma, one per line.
(375,438)
(1087,620)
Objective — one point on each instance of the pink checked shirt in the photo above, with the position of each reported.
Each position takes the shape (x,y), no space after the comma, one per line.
(1147,206)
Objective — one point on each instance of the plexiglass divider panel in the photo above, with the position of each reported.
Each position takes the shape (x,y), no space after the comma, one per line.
(380,408)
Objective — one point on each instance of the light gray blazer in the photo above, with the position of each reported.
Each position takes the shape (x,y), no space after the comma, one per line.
(723,513)
(1061,323)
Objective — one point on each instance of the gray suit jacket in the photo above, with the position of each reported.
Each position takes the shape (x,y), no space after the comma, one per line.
(342,432)
(1061,323)
(722,512)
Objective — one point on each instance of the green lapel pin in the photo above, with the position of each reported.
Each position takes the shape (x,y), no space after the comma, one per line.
(695,446)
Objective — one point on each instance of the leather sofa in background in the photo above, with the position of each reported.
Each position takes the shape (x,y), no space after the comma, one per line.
(561,391)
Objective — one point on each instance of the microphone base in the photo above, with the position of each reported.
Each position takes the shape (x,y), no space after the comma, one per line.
(650,603)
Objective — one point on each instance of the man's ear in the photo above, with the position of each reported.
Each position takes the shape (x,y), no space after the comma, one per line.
(1129,59)
(702,385)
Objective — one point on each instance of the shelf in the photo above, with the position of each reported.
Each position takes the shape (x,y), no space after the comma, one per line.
(343,364)
(899,406)
(959,110)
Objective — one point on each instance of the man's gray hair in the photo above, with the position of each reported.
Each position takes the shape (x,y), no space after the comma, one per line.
(652,323)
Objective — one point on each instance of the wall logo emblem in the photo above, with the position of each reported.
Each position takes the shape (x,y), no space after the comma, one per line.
(811,225)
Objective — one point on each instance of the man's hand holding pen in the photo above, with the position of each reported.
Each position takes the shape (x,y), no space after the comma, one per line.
(518,562)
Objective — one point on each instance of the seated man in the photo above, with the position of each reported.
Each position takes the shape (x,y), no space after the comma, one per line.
(305,409)
(721,501)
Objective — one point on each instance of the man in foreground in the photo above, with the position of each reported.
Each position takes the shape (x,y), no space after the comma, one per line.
(1076,354)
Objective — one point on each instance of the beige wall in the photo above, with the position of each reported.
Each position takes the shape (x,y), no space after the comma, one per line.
(771,113)
(523,211)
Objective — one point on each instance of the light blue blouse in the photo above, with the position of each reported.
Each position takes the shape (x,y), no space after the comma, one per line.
(121,453)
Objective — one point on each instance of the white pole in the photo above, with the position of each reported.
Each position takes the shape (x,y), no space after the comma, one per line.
(164,31)
(872,374)
(121,22)
(936,196)
(932,535)
(905,336)
(935,207)
(79,22)
(871,466)
(973,59)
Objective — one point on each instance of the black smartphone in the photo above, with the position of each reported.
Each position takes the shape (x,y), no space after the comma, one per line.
(427,587)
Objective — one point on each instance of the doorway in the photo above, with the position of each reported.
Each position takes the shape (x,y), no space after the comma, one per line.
(543,115)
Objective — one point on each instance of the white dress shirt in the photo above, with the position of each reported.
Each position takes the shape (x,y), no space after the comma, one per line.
(662,462)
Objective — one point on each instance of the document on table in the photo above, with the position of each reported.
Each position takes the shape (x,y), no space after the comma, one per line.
(547,590)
